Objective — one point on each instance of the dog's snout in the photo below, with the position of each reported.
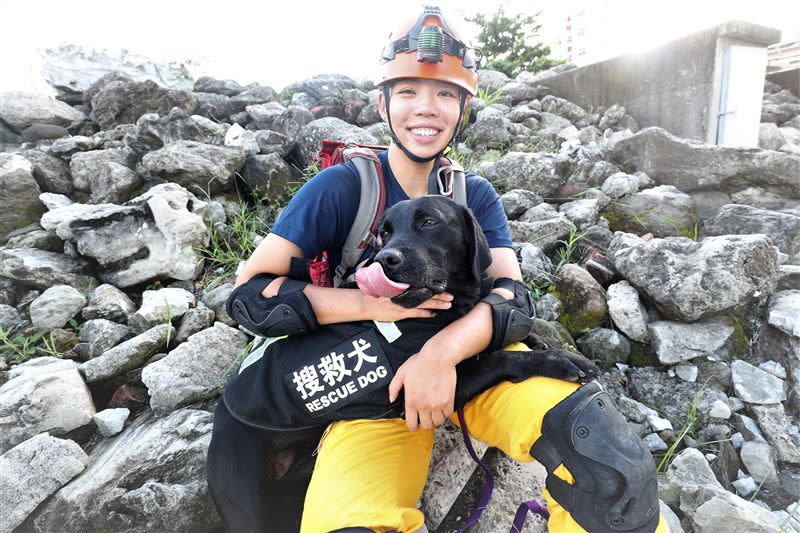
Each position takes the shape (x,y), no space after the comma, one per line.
(389,257)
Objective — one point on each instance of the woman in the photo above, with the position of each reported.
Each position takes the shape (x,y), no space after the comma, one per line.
(370,473)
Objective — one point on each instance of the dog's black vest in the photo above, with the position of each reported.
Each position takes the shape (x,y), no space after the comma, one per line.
(340,372)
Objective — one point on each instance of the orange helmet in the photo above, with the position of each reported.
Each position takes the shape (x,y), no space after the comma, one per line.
(428,47)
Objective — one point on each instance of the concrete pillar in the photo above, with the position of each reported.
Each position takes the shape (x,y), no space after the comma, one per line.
(707,86)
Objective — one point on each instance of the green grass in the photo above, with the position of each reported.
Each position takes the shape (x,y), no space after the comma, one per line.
(244,229)
(688,429)
(489,97)
(18,346)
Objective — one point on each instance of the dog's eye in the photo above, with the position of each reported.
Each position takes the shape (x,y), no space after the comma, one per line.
(428,222)
(384,236)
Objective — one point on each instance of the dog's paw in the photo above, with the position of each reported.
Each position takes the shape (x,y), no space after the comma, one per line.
(413,297)
(574,366)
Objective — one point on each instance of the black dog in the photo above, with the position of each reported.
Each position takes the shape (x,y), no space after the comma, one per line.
(427,246)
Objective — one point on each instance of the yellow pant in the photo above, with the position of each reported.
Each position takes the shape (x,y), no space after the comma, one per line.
(371,473)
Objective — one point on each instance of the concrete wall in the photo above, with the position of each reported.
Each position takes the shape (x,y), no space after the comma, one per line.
(675,86)
(788,79)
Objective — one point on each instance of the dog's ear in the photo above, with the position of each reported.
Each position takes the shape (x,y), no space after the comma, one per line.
(477,247)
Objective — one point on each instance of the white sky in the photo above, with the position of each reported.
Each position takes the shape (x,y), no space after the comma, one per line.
(276,43)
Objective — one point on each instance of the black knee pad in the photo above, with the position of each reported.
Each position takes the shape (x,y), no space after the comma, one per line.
(615,487)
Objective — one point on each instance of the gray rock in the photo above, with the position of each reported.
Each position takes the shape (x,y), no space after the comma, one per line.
(39,239)
(128,355)
(627,311)
(492,80)
(663,211)
(42,394)
(753,385)
(310,138)
(519,91)
(255,96)
(56,306)
(674,342)
(161,306)
(50,173)
(774,368)
(122,102)
(19,194)
(153,131)
(783,311)
(688,468)
(605,347)
(238,137)
(193,321)
(43,269)
(773,421)
(600,172)
(612,117)
(98,336)
(759,459)
(211,105)
(32,471)
(272,142)
(451,467)
(108,302)
(654,443)
(517,201)
(545,234)
(769,136)
(745,486)
(583,299)
(540,212)
(21,110)
(154,235)
(582,213)
(718,510)
(563,108)
(215,299)
(195,165)
(552,123)
(274,117)
(692,166)
(323,86)
(782,228)
(269,175)
(490,131)
(207,84)
(535,264)
(540,173)
(66,147)
(760,198)
(196,370)
(152,475)
(700,279)
(10,317)
(719,409)
(106,174)
(620,184)
(553,333)
(381,132)
(111,421)
(748,428)
(548,307)
(74,70)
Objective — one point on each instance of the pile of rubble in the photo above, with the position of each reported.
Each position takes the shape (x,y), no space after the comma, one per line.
(674,264)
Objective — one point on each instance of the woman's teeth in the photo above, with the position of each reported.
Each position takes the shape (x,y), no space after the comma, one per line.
(425,132)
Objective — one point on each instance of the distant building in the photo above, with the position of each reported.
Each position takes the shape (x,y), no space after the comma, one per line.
(783,56)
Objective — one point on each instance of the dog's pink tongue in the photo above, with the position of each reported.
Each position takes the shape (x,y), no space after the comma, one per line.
(373,281)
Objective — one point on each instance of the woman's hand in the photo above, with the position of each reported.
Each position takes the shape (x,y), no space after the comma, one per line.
(429,381)
(385,310)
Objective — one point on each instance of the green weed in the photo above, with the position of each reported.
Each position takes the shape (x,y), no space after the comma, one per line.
(489,97)
(688,429)
(26,344)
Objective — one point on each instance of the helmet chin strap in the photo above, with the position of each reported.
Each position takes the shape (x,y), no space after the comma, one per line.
(387,93)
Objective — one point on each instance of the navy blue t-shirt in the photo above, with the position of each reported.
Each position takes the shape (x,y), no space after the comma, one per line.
(320,215)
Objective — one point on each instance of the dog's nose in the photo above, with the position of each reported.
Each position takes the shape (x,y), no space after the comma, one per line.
(389,257)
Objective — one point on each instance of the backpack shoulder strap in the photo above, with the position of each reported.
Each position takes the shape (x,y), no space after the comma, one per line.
(371,205)
(450,181)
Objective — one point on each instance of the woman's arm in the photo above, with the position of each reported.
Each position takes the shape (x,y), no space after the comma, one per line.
(429,377)
(330,305)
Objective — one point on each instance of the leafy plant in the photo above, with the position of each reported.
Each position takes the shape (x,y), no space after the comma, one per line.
(565,253)
(487,97)
(26,344)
